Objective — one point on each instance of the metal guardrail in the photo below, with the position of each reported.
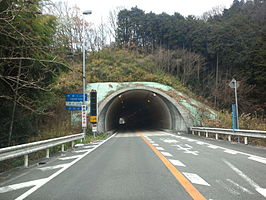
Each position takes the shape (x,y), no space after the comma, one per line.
(26,149)
(229,132)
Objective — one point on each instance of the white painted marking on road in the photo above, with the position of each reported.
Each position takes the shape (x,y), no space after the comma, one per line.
(200,143)
(154,144)
(262,191)
(213,146)
(194,178)
(166,154)
(258,159)
(177,163)
(160,148)
(78,145)
(231,151)
(169,140)
(239,186)
(90,147)
(187,149)
(228,188)
(21,185)
(53,167)
(70,157)
(82,151)
(30,191)
(190,140)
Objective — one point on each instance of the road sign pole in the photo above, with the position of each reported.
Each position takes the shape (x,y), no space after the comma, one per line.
(84,75)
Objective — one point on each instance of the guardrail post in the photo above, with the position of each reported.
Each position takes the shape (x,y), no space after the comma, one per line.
(207,134)
(62,148)
(26,160)
(72,144)
(193,133)
(229,138)
(246,140)
(198,133)
(216,136)
(47,153)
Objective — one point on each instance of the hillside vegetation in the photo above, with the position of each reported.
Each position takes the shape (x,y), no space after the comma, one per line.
(41,51)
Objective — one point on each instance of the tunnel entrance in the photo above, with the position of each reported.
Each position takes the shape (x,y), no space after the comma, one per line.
(141,108)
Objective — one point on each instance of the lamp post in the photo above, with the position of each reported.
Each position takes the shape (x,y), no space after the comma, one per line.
(84,110)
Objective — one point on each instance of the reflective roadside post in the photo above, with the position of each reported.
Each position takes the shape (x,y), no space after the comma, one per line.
(234,85)
(84,114)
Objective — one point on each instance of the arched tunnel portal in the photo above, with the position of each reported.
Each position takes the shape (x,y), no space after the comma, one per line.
(141,108)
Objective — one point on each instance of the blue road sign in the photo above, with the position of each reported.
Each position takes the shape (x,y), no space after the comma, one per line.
(76,97)
(74,108)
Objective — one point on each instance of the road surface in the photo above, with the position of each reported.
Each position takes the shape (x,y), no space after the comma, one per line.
(145,165)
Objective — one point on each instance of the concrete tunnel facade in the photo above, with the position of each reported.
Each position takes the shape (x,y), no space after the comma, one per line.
(141,107)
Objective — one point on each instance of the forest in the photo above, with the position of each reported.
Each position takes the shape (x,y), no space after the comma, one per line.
(206,53)
(41,42)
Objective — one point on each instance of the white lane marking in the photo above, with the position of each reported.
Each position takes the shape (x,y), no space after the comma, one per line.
(177,163)
(90,147)
(251,157)
(30,191)
(53,167)
(70,157)
(239,186)
(191,140)
(21,185)
(167,140)
(194,178)
(200,143)
(166,154)
(160,148)
(231,151)
(262,191)
(228,188)
(82,151)
(154,144)
(212,146)
(258,159)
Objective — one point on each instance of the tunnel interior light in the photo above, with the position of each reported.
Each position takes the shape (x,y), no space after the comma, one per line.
(154,94)
(120,96)
(148,101)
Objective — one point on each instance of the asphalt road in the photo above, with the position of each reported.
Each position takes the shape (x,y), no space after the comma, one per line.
(146,165)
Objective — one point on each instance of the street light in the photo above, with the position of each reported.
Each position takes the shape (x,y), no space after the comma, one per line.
(86,12)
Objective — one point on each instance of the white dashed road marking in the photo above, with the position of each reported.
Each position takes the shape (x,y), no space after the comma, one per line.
(166,154)
(196,179)
(160,148)
(231,151)
(177,163)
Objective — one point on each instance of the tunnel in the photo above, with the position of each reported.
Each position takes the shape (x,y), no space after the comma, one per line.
(141,108)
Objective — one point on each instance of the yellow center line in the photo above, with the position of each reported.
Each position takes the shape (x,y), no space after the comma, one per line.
(191,190)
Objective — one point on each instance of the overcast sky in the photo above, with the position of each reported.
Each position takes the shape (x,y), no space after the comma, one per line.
(100,8)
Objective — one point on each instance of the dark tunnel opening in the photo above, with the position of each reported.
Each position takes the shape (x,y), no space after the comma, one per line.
(141,108)
(138,109)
